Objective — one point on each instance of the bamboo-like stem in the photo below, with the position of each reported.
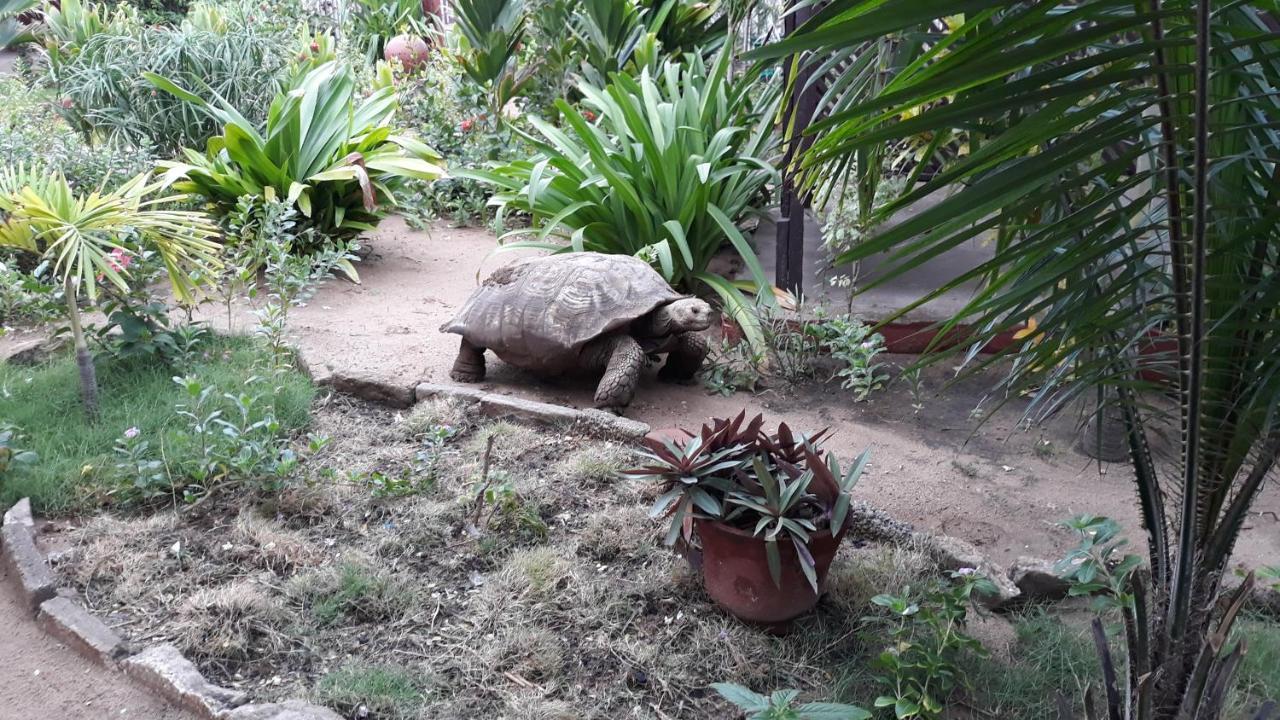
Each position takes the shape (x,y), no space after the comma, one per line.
(84,359)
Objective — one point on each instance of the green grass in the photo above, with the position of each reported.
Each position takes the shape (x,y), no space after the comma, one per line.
(387,692)
(1258,679)
(361,593)
(44,402)
(1051,657)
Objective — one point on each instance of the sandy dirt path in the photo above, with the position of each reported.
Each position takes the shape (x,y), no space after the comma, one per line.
(1002,488)
(40,678)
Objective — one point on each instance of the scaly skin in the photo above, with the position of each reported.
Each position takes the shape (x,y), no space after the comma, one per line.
(688,350)
(469,367)
(622,359)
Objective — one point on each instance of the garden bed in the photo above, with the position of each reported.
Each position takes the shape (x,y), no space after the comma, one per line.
(367,586)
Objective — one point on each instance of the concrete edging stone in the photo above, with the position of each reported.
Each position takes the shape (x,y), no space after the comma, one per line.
(161,668)
(507,407)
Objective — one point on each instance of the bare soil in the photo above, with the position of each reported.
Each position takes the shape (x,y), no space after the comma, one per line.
(40,678)
(995,483)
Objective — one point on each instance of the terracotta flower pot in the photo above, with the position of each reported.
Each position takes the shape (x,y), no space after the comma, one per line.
(735,571)
(410,51)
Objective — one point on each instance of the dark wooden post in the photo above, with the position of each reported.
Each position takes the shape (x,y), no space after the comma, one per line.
(801,104)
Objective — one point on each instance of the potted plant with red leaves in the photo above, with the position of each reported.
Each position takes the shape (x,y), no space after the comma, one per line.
(765,511)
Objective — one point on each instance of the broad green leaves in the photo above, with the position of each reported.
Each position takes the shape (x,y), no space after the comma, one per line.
(335,155)
(667,173)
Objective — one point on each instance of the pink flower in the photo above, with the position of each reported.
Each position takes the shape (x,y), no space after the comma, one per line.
(132,433)
(119,259)
(467,124)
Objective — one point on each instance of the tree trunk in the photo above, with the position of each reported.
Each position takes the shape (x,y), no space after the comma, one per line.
(84,359)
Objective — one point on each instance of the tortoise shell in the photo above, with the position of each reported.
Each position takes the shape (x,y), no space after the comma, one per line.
(540,312)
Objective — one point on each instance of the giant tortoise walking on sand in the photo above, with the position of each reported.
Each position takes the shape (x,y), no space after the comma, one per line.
(582,312)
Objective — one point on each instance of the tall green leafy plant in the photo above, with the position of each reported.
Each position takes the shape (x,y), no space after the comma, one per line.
(91,238)
(104,90)
(631,35)
(377,21)
(333,154)
(674,163)
(14,29)
(490,35)
(1123,157)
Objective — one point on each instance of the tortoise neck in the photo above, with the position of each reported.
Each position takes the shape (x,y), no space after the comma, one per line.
(657,324)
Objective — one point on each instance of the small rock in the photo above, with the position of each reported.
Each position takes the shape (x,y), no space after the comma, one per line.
(77,627)
(24,560)
(1037,580)
(995,633)
(163,669)
(35,351)
(953,554)
(371,389)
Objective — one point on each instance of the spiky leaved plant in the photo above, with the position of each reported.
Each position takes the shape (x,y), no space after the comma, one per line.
(1123,157)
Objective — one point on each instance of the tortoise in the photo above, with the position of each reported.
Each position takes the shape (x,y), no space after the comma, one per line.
(582,312)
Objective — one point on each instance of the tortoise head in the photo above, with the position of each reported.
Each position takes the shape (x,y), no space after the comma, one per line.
(684,315)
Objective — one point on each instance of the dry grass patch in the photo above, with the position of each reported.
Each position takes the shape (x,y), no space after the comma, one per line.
(541,594)
(233,624)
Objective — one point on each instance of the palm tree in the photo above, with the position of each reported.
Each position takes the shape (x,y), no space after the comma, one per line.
(1124,157)
(90,239)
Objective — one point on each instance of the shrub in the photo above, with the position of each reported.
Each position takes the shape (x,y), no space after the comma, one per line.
(13,28)
(377,21)
(327,151)
(160,11)
(451,116)
(103,88)
(666,174)
(32,133)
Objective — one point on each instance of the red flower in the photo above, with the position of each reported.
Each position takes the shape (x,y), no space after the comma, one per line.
(315,47)
(589,116)
(467,124)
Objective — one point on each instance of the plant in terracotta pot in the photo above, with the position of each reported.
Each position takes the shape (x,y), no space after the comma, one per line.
(768,511)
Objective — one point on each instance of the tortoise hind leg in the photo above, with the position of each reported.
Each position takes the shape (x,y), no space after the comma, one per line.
(623,359)
(469,367)
(688,351)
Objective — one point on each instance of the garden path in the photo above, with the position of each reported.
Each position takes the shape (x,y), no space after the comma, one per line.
(997,486)
(40,678)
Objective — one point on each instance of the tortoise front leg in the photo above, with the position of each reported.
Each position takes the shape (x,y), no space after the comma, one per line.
(688,351)
(623,360)
(469,367)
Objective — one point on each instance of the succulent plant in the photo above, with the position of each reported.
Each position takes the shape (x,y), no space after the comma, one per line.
(779,484)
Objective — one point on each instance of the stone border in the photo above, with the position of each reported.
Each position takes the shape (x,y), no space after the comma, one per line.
(532,412)
(161,668)
(495,405)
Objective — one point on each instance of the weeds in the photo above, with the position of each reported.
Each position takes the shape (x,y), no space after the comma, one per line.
(921,667)
(792,351)
(357,591)
(381,691)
